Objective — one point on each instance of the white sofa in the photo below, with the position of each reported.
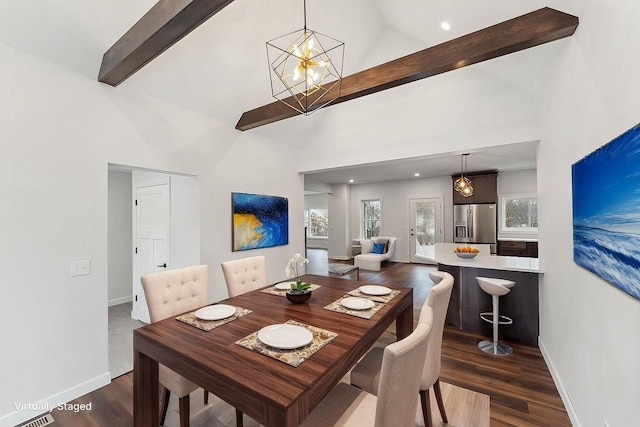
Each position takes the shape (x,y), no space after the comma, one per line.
(370,261)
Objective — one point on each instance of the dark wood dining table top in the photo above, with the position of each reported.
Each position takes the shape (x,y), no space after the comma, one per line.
(270,391)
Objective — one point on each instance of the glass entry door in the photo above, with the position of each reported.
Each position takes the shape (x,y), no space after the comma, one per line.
(425,224)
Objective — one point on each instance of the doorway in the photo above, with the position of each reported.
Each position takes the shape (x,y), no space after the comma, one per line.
(154,219)
(425,224)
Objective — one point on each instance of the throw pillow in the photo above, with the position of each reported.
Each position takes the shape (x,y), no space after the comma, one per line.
(378,248)
(385,241)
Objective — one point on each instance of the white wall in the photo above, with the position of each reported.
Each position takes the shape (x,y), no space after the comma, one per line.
(339,241)
(492,103)
(517,182)
(60,131)
(395,197)
(185,212)
(588,328)
(120,237)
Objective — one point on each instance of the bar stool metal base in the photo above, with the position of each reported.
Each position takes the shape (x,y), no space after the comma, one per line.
(495,348)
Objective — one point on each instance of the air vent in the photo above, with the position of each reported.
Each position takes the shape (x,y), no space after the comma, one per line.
(44,420)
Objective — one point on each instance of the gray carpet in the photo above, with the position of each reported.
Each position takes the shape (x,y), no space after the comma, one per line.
(121,327)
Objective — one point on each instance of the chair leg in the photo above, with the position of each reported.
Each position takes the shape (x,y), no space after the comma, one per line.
(184,411)
(165,405)
(438,392)
(239,421)
(206,397)
(426,407)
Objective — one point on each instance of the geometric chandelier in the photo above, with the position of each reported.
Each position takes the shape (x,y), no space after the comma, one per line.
(463,185)
(305,68)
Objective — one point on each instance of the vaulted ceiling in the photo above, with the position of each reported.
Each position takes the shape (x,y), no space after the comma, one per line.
(220,68)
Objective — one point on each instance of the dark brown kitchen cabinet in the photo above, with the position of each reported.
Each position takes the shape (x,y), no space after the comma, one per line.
(516,248)
(532,249)
(485,189)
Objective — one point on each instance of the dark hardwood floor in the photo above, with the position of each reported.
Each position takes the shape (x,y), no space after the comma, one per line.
(521,389)
(520,386)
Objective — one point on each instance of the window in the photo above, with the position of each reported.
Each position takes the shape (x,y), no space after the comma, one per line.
(370,218)
(519,214)
(306,220)
(317,222)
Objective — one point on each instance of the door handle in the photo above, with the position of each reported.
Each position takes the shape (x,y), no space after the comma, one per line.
(162,265)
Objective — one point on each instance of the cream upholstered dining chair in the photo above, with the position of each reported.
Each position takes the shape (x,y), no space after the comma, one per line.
(245,274)
(395,404)
(367,373)
(169,293)
(242,276)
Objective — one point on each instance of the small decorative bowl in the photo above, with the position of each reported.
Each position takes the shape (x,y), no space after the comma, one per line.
(298,297)
(466,255)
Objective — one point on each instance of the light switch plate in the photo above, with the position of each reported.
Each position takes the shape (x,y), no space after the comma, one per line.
(80,268)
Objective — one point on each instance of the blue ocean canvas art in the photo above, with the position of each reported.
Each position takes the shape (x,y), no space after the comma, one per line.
(259,221)
(606,212)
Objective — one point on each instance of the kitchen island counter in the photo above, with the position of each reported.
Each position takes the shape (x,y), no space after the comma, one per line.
(442,253)
(468,300)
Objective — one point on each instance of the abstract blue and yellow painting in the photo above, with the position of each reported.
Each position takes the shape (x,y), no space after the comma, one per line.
(606,212)
(259,221)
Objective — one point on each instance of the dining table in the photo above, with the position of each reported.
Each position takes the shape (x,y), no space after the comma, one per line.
(264,388)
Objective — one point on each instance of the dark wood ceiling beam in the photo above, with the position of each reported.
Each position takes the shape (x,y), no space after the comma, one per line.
(166,23)
(533,29)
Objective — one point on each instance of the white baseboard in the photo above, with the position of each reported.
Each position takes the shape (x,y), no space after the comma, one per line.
(564,395)
(117,301)
(18,417)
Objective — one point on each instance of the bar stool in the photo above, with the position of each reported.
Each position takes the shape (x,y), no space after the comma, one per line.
(496,288)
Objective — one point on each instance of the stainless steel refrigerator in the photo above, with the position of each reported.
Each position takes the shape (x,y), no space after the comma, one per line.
(475,223)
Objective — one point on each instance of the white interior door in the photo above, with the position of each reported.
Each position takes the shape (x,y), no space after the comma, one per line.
(153,219)
(425,224)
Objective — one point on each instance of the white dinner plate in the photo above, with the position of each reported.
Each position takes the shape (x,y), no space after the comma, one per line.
(285,286)
(215,312)
(285,336)
(374,290)
(355,303)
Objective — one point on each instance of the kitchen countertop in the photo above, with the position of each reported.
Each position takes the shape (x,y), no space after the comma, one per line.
(442,253)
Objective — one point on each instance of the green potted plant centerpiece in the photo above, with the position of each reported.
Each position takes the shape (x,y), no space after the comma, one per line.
(299,291)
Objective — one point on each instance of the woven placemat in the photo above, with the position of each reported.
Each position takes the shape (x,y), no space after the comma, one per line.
(365,314)
(377,298)
(283,292)
(295,357)
(207,325)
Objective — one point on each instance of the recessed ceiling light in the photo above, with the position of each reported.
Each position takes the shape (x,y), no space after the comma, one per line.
(445,26)
(350,180)
(416,174)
